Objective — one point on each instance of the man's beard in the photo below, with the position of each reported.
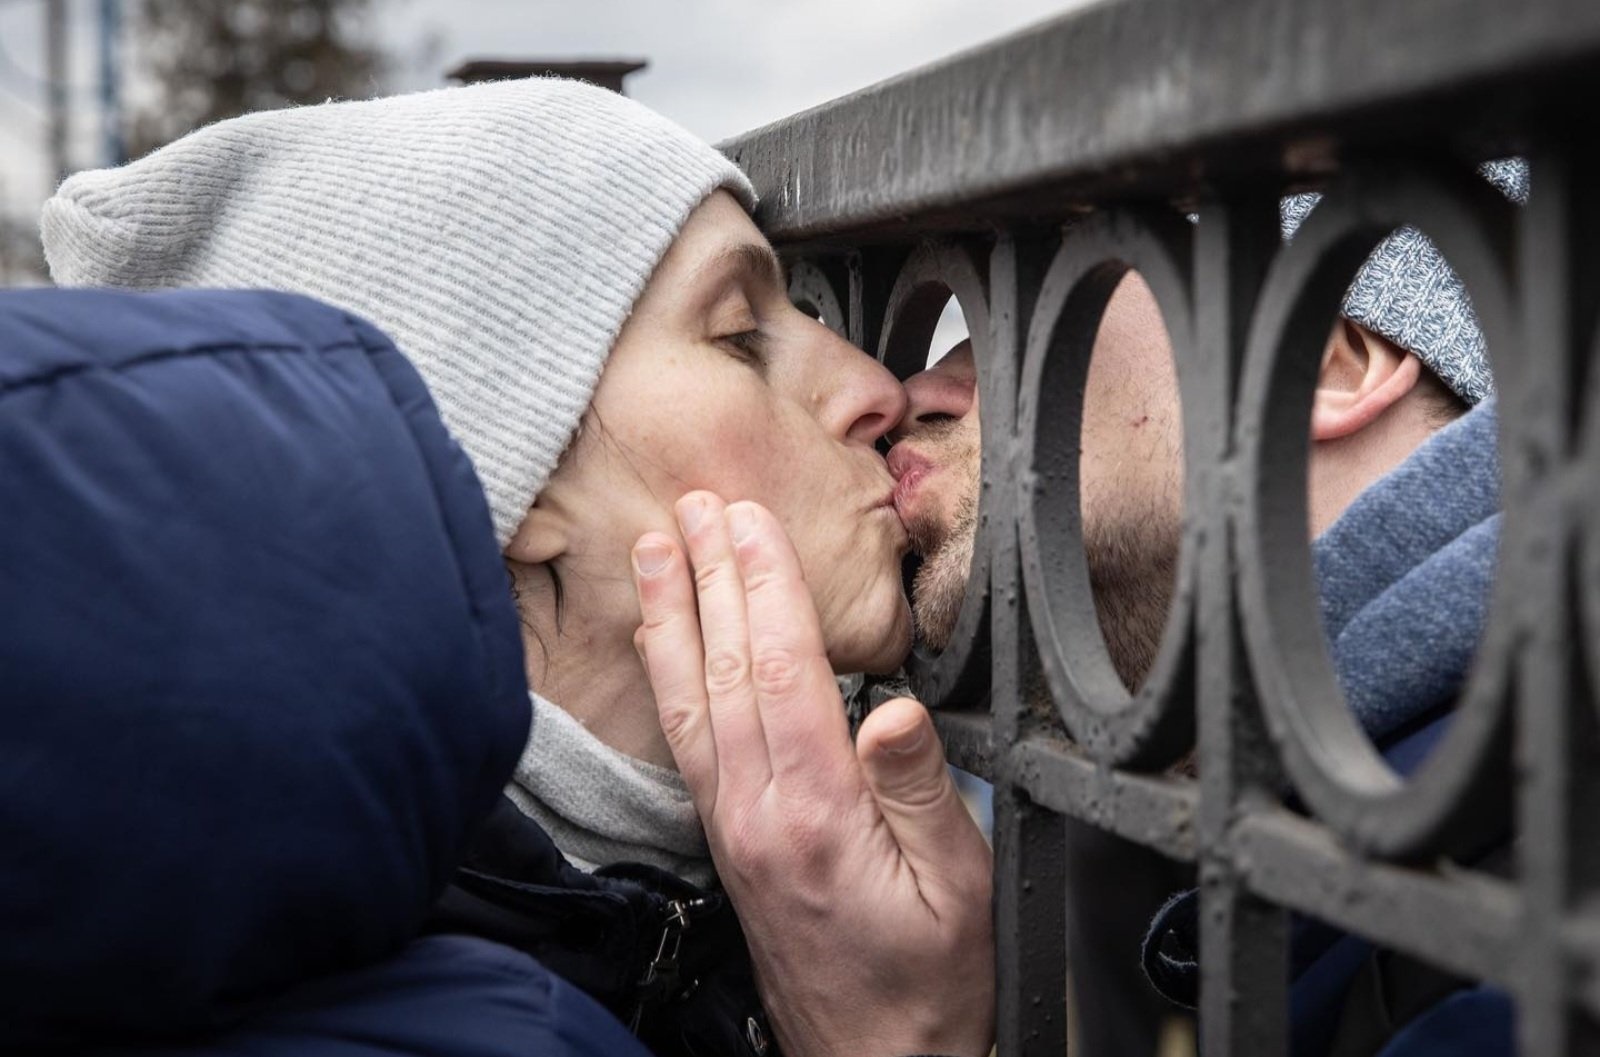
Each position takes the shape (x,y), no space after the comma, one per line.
(941,580)
(946,550)
(1132,566)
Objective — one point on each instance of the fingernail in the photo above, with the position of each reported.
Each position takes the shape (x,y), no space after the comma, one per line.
(650,558)
(691,514)
(741,523)
(906,741)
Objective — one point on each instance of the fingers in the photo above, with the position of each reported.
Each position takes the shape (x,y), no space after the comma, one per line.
(743,769)
(905,768)
(669,642)
(808,737)
(736,658)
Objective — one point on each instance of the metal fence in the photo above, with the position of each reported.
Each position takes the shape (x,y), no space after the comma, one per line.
(1123,118)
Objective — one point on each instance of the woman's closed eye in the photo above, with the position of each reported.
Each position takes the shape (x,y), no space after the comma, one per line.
(748,345)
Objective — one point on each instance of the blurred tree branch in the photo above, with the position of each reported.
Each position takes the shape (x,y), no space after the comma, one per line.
(213,59)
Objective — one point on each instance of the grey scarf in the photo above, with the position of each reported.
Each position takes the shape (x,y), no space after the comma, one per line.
(602,807)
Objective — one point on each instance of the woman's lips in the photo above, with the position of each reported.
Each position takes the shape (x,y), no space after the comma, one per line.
(888,507)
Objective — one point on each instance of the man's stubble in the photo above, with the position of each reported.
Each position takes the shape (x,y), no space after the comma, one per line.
(945,549)
(1131,548)
(1133,562)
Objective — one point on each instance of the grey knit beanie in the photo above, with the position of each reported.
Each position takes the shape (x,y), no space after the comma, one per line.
(1409,294)
(500,233)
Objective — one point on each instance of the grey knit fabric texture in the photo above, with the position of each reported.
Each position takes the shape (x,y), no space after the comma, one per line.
(500,233)
(1408,293)
(602,807)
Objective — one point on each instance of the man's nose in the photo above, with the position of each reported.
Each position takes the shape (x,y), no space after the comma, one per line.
(934,395)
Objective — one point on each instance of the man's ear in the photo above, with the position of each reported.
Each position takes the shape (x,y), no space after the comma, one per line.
(541,537)
(1363,375)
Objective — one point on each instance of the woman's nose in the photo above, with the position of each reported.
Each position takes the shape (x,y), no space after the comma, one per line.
(877,401)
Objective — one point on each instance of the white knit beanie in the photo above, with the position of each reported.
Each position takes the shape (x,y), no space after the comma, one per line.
(500,233)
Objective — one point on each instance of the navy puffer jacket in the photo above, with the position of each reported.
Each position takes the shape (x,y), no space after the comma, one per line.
(260,676)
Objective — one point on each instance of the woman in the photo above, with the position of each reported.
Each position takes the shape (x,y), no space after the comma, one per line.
(515,239)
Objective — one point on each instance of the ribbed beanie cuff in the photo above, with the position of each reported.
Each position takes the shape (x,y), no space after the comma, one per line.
(500,233)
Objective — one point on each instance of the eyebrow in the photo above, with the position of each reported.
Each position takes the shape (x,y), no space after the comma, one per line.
(747,260)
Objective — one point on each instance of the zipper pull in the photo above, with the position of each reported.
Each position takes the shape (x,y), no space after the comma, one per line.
(661,975)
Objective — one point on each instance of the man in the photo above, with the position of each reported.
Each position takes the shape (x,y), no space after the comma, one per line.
(1393,443)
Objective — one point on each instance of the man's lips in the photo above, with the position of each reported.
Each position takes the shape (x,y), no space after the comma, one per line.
(902,458)
(906,490)
(909,469)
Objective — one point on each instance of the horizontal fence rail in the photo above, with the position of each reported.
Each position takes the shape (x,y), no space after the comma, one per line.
(1023,178)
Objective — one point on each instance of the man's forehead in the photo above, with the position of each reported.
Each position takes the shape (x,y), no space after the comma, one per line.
(958,361)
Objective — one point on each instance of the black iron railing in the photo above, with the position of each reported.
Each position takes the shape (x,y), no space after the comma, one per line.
(1117,124)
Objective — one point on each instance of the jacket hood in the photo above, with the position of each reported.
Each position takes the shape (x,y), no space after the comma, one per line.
(261,669)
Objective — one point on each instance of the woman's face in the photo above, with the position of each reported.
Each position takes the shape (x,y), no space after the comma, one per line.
(717,382)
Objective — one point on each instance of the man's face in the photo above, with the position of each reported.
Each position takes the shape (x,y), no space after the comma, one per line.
(935,462)
(1130,480)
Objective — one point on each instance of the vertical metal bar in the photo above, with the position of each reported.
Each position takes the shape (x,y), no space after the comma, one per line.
(1030,927)
(1582,736)
(55,54)
(871,275)
(855,323)
(1016,270)
(1030,854)
(1243,940)
(111,81)
(1558,787)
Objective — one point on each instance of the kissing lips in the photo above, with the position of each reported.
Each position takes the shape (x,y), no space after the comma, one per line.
(905,491)
(909,469)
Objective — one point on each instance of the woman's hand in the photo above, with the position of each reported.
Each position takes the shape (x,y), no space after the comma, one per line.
(862,883)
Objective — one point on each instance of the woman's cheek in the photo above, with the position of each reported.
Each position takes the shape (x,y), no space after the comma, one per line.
(855,605)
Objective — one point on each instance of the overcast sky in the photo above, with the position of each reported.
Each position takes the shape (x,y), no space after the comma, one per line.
(718,66)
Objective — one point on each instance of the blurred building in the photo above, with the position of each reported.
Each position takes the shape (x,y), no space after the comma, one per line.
(21,256)
(606,73)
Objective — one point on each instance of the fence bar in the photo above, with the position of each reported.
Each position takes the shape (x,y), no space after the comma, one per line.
(1560,791)
(968,740)
(1462,922)
(1096,103)
(982,166)
(1030,888)
(1243,939)
(1155,812)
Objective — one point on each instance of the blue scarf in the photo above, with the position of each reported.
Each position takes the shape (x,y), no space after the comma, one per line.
(1404,577)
